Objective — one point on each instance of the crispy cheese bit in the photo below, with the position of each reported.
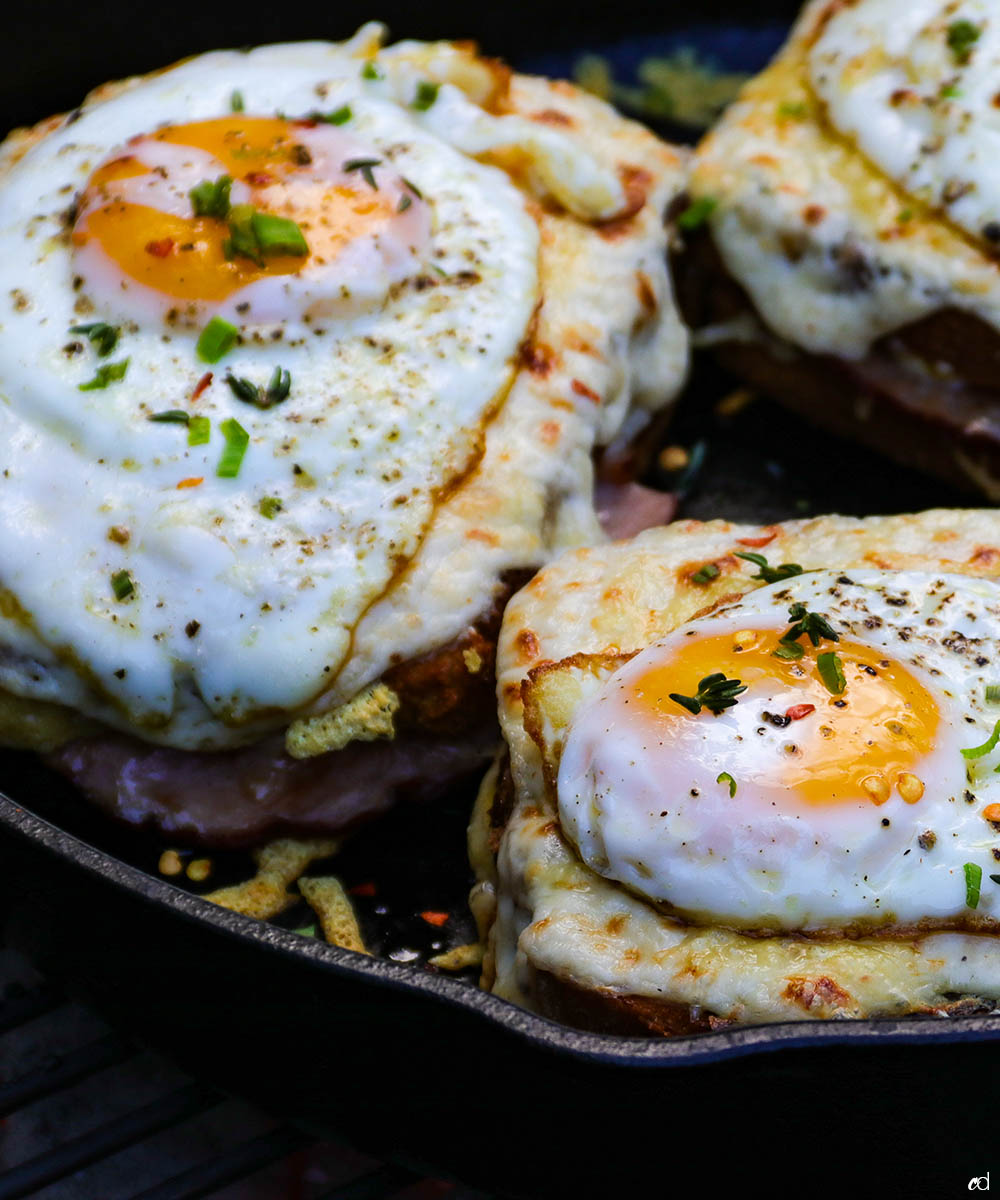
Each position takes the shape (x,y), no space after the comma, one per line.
(473,661)
(279,864)
(170,863)
(910,787)
(365,718)
(459,958)
(876,788)
(328,900)
(199,869)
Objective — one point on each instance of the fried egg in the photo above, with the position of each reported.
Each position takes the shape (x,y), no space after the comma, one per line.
(267,419)
(854,184)
(702,823)
(814,801)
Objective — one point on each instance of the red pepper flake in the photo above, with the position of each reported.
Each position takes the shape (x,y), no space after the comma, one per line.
(259,178)
(363,889)
(798,711)
(756,542)
(581,389)
(202,383)
(194,481)
(160,248)
(435,918)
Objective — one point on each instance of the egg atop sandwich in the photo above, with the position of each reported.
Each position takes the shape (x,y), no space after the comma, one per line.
(750,786)
(306,350)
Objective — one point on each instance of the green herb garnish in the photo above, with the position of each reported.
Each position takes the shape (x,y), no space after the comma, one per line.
(427,93)
(715,692)
(231,458)
(950,92)
(242,240)
(278,387)
(993,693)
(364,165)
(199,431)
(706,573)
(236,102)
(766,573)
(697,213)
(788,650)
(413,188)
(278,235)
(962,36)
(172,416)
(404,203)
(308,931)
(269,506)
(370,71)
(210,199)
(995,878)
(108,373)
(831,672)
(797,110)
(725,777)
(102,336)
(339,116)
(216,340)
(122,585)
(986,747)
(812,624)
(973,881)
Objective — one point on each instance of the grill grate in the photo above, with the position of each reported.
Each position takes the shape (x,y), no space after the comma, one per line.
(74,1129)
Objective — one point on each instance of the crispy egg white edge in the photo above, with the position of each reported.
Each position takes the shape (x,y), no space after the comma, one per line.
(780,180)
(34,670)
(553,913)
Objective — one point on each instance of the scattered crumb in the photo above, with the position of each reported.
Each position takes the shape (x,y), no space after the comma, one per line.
(170,863)
(457,959)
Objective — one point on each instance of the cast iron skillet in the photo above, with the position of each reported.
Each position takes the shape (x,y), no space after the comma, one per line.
(422,1066)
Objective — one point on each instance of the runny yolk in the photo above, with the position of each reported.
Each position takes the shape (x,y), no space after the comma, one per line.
(862,744)
(183,256)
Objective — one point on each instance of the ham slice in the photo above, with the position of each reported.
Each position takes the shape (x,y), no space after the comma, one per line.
(625,509)
(233,798)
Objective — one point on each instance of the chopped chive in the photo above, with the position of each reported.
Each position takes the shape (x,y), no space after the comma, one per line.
(950,92)
(973,882)
(277,235)
(102,336)
(986,747)
(725,777)
(413,188)
(364,165)
(216,340)
(697,213)
(199,431)
(122,585)
(370,71)
(172,416)
(339,116)
(427,93)
(788,650)
(308,931)
(269,507)
(211,199)
(766,573)
(108,373)
(706,573)
(962,36)
(242,239)
(993,693)
(831,672)
(237,440)
(995,878)
(404,203)
(236,102)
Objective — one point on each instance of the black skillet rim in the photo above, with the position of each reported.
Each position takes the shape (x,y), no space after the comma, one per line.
(713,1047)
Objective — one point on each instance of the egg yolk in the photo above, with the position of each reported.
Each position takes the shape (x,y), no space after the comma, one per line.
(862,743)
(184,256)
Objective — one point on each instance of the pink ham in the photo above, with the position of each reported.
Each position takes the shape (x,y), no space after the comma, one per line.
(625,509)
